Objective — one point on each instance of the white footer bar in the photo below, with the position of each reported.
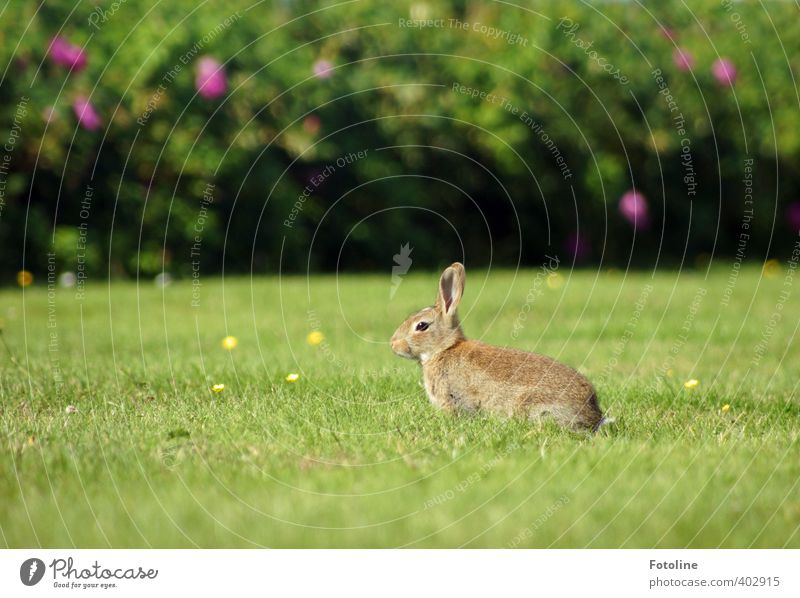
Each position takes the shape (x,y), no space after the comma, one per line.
(395,573)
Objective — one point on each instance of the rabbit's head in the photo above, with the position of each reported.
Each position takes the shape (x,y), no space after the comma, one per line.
(433,329)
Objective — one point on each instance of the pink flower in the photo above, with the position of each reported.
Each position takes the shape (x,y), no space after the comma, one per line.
(577,246)
(311,124)
(66,54)
(667,33)
(724,71)
(323,69)
(633,207)
(793,215)
(86,114)
(210,81)
(683,59)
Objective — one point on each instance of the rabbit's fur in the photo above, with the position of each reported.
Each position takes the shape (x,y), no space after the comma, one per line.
(461,374)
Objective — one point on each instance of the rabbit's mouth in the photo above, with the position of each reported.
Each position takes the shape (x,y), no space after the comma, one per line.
(400,347)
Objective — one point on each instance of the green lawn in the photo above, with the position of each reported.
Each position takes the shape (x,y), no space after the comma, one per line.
(353,455)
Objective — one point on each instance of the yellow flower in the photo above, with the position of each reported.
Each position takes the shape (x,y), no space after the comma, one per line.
(554,280)
(24,278)
(292,377)
(691,383)
(725,408)
(771,268)
(218,387)
(314,338)
(419,11)
(670,373)
(229,343)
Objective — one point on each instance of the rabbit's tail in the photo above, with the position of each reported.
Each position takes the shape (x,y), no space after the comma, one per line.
(604,421)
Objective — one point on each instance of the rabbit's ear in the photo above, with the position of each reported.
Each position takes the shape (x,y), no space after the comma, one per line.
(451,288)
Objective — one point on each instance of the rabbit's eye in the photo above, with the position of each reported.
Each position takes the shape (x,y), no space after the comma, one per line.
(422,326)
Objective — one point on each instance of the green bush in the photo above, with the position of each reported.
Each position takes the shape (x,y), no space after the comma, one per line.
(456,176)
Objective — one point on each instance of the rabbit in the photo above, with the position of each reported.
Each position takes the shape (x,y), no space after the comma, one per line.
(467,375)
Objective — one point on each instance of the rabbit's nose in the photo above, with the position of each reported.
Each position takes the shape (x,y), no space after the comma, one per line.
(399,345)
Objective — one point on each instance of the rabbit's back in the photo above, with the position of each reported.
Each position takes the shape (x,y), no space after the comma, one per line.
(472,375)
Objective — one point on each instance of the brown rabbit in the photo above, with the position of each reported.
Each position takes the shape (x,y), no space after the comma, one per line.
(470,375)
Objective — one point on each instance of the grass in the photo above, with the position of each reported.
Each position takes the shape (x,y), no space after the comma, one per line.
(353,455)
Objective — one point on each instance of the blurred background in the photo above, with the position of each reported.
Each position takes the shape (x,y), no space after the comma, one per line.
(163,138)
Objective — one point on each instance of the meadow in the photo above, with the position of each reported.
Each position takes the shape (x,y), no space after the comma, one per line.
(112,435)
